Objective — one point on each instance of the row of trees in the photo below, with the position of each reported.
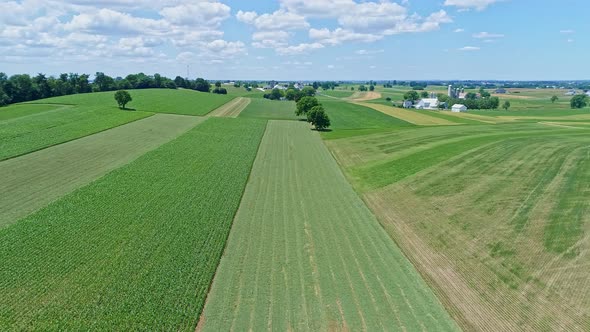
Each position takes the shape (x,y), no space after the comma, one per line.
(23,87)
(291,93)
(314,112)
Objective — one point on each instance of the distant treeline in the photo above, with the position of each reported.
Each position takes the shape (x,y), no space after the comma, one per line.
(20,88)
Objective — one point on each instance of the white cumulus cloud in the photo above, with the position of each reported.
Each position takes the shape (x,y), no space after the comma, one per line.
(469,48)
(471,4)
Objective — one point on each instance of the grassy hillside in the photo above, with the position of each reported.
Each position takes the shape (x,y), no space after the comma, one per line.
(22,110)
(180,101)
(305,253)
(137,249)
(48,126)
(349,119)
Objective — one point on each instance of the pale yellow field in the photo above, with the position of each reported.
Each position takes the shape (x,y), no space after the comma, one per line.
(364,96)
(408,116)
(231,109)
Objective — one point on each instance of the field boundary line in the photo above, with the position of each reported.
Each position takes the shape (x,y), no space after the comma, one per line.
(73,139)
(202,318)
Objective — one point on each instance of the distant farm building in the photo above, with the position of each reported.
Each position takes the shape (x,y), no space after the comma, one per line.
(571,93)
(459,108)
(408,104)
(501,91)
(588,93)
(427,104)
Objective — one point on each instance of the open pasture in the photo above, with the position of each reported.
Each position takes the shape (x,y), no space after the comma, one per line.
(136,249)
(32,181)
(181,101)
(494,217)
(305,253)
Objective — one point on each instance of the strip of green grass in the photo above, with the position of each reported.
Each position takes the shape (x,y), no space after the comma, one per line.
(567,220)
(451,118)
(337,93)
(20,110)
(378,175)
(349,119)
(137,249)
(305,253)
(270,109)
(186,102)
(30,133)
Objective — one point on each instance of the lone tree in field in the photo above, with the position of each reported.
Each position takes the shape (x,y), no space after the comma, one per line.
(318,118)
(506,105)
(122,97)
(305,105)
(554,99)
(579,101)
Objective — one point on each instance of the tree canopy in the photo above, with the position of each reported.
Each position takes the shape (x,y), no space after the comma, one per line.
(122,97)
(411,95)
(579,101)
(318,118)
(305,105)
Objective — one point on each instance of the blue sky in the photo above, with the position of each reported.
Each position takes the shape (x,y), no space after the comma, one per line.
(299,39)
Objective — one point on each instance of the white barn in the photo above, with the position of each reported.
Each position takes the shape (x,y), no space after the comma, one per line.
(427,104)
(459,108)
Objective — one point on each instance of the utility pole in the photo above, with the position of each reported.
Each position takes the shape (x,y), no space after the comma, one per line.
(187,71)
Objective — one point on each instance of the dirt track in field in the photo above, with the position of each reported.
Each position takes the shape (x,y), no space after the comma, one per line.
(231,109)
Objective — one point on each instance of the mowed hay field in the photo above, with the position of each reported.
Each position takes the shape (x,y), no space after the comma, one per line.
(305,253)
(496,218)
(32,181)
(136,249)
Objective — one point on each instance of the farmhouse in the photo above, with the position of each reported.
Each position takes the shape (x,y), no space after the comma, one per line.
(280,87)
(459,108)
(408,104)
(571,93)
(501,91)
(427,104)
